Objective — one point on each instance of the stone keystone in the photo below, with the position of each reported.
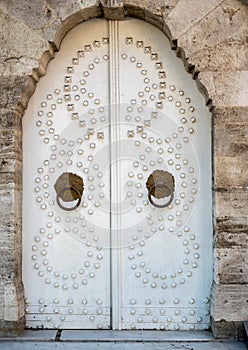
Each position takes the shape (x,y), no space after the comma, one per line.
(113,9)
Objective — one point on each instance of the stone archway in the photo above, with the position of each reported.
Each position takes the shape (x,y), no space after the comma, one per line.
(222,84)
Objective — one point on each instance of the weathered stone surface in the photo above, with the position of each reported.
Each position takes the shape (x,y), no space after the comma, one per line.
(10,120)
(16,92)
(154,19)
(205,84)
(231,266)
(231,204)
(232,232)
(225,89)
(230,55)
(10,233)
(135,8)
(222,329)
(9,265)
(12,328)
(10,228)
(10,169)
(161,7)
(230,302)
(222,23)
(89,9)
(187,13)
(1,301)
(113,10)
(11,220)
(232,171)
(14,306)
(10,141)
(52,19)
(60,10)
(36,15)
(18,56)
(231,132)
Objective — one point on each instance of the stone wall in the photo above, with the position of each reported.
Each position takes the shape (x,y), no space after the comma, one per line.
(211,37)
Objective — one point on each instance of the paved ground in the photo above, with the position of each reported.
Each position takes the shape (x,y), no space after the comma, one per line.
(117,340)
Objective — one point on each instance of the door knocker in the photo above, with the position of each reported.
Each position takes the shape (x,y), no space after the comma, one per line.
(69,187)
(160,184)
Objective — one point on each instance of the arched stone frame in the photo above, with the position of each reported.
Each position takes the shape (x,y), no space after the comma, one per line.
(26,61)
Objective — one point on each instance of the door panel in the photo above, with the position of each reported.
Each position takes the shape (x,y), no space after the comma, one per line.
(115,106)
(165,255)
(66,264)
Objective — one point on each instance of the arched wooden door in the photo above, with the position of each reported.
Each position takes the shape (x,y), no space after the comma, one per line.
(124,239)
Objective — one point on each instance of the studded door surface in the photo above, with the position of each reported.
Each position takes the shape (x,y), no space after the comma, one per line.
(121,129)
(165,262)
(66,265)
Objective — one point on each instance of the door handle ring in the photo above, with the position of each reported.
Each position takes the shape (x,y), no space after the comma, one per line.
(60,194)
(162,186)
(69,187)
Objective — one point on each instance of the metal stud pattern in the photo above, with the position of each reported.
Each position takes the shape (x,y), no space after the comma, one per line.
(165,249)
(163,252)
(66,252)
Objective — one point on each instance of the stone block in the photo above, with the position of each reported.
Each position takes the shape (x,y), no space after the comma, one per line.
(11,229)
(231,232)
(223,329)
(11,178)
(135,8)
(10,264)
(10,120)
(19,57)
(59,10)
(231,88)
(161,7)
(231,204)
(38,16)
(114,10)
(224,89)
(229,302)
(12,328)
(230,55)
(10,299)
(230,131)
(10,141)
(205,84)
(10,170)
(231,172)
(154,19)
(7,267)
(221,22)
(12,321)
(231,266)
(187,13)
(16,92)
(1,301)
(35,15)
(10,221)
(13,301)
(88,9)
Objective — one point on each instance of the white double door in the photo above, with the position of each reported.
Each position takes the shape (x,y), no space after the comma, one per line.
(116,105)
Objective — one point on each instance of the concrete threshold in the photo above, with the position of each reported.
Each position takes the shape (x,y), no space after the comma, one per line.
(134,336)
(113,336)
(116,340)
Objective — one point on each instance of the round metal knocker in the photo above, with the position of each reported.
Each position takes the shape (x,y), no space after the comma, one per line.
(160,184)
(69,187)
